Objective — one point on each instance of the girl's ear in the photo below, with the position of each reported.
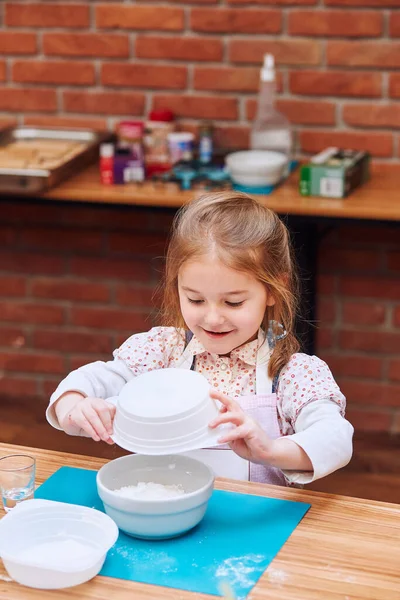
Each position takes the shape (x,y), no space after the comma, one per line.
(270,299)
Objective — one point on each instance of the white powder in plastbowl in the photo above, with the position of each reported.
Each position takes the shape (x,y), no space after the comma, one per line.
(56,554)
(150,491)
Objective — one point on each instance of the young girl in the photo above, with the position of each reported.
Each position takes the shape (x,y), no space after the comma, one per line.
(229,306)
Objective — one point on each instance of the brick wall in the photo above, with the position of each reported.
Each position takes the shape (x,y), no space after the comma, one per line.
(92,63)
(76,281)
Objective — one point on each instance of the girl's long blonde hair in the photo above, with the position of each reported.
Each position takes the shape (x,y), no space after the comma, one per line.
(245,236)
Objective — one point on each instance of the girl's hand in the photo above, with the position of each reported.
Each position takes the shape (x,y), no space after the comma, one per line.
(91,417)
(247,439)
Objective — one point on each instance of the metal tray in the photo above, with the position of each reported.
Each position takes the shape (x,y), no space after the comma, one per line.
(35,180)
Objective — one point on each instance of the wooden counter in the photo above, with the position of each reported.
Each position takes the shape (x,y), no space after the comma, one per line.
(343,548)
(379,199)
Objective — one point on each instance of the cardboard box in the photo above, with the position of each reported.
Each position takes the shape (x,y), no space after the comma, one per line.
(334,173)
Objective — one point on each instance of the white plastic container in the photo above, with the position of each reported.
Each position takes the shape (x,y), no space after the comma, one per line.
(51,545)
(165,411)
(156,519)
(271,129)
(256,167)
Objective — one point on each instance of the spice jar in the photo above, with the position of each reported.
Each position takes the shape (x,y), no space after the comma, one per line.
(157,128)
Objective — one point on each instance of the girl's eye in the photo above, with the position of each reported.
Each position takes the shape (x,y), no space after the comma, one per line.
(195,301)
(234,304)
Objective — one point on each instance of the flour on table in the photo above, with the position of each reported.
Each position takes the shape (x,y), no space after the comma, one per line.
(241,571)
(150,491)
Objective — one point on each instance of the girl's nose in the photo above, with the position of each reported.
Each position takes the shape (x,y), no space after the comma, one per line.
(214,318)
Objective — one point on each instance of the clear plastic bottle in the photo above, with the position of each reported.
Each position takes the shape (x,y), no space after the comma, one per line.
(271,130)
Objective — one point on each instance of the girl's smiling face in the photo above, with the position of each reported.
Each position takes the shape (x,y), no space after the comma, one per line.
(223,308)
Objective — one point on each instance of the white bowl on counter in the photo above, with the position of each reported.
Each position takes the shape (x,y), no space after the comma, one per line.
(256,167)
(51,545)
(157,518)
(165,411)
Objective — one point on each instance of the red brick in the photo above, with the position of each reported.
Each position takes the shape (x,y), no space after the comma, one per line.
(200,107)
(342,259)
(128,295)
(370,287)
(11,285)
(8,236)
(86,44)
(116,103)
(179,48)
(370,392)
(353,365)
(28,99)
(394,85)
(72,341)
(140,17)
(2,70)
(363,313)
(16,387)
(106,268)
(235,20)
(364,3)
(13,337)
(227,79)
(64,72)
(339,23)
(61,240)
(335,83)
(324,338)
(286,52)
(232,137)
(144,75)
(49,14)
(31,363)
(396,316)
(276,2)
(147,244)
(396,424)
(378,144)
(70,289)
(71,122)
(364,54)
(370,341)
(110,318)
(394,24)
(369,420)
(394,370)
(30,312)
(12,42)
(327,310)
(302,112)
(30,262)
(372,115)
(393,259)
(326,284)
(373,236)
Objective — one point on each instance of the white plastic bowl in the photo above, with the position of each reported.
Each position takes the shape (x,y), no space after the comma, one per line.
(50,545)
(165,411)
(256,167)
(156,519)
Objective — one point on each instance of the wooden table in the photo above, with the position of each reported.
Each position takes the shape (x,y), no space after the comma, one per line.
(344,548)
(378,200)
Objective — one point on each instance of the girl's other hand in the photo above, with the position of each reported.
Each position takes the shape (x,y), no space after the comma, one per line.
(247,438)
(91,417)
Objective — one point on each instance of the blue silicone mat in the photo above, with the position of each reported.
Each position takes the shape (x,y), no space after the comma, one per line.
(235,542)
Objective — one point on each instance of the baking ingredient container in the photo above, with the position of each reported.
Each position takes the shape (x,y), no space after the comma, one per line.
(156,519)
(51,545)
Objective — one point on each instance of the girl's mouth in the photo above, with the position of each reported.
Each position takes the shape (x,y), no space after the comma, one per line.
(217,334)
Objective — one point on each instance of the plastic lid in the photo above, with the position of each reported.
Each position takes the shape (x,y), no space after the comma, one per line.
(268,70)
(162,114)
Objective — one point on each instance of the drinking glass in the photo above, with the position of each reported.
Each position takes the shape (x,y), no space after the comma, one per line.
(17,479)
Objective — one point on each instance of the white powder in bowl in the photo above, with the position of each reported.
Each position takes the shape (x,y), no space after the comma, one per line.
(150,491)
(56,553)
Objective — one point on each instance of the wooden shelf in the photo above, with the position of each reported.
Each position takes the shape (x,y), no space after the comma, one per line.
(377,200)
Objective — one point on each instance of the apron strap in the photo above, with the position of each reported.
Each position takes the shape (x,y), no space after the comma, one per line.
(188,337)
